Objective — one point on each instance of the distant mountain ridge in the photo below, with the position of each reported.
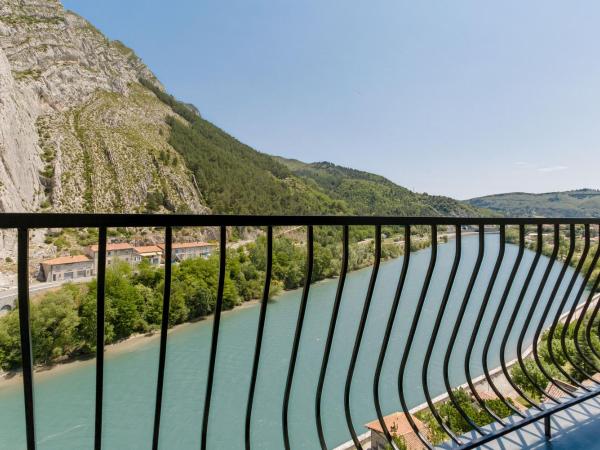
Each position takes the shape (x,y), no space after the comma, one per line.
(577,203)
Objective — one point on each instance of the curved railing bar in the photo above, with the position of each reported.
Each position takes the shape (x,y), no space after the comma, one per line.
(164,330)
(387,334)
(561,307)
(100,338)
(411,336)
(359,335)
(432,340)
(582,287)
(259,336)
(513,317)
(456,328)
(584,312)
(490,335)
(332,324)
(532,308)
(475,332)
(549,303)
(588,328)
(297,334)
(215,335)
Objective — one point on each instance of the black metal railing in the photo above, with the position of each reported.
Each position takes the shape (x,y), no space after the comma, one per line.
(576,307)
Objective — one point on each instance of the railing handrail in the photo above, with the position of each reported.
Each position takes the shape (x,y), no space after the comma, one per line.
(82,220)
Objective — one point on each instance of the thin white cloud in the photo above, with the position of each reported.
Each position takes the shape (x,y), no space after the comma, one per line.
(552,168)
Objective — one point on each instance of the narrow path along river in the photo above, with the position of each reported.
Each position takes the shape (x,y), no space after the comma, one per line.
(65,400)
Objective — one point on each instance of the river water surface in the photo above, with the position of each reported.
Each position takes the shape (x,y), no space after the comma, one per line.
(65,401)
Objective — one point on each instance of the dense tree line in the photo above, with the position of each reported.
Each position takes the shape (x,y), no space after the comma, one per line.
(63,322)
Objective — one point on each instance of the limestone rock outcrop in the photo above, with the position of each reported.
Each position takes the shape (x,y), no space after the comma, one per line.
(77,130)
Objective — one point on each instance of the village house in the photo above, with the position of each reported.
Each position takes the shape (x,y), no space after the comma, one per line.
(114,252)
(187,250)
(66,268)
(150,253)
(398,426)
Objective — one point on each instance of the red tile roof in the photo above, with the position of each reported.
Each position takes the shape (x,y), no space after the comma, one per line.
(66,260)
(187,245)
(121,246)
(147,249)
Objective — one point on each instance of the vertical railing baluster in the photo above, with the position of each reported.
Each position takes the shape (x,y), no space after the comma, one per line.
(513,318)
(359,335)
(411,335)
(563,303)
(215,335)
(520,341)
(330,334)
(388,332)
(549,303)
(164,330)
(478,321)
(25,333)
(495,320)
(456,328)
(259,336)
(434,334)
(297,335)
(100,298)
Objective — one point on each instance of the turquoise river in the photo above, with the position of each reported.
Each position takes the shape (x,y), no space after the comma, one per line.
(64,401)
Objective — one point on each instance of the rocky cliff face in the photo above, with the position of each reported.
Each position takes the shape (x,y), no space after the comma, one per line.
(77,130)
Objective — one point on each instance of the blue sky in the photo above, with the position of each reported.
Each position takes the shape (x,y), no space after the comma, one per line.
(462,98)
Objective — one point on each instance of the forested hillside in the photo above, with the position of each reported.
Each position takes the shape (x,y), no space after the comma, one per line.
(236,179)
(578,203)
(368,193)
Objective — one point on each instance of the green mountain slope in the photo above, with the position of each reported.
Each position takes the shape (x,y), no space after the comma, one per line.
(578,203)
(236,179)
(367,193)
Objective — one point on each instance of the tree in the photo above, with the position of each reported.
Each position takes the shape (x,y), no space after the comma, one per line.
(54,322)
(399,442)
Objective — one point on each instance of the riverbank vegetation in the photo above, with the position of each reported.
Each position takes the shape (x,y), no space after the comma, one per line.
(63,322)
(456,422)
(512,236)
(589,362)
(451,416)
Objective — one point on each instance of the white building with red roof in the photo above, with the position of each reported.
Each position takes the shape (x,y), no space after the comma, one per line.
(114,252)
(65,268)
(150,253)
(188,250)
